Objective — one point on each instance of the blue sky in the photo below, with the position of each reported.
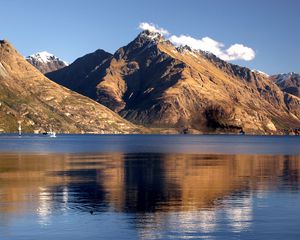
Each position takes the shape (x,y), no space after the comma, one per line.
(72,28)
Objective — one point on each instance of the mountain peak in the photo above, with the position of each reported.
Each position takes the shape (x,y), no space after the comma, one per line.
(289,74)
(46,62)
(145,40)
(151,36)
(3,41)
(45,57)
(288,82)
(282,77)
(4,44)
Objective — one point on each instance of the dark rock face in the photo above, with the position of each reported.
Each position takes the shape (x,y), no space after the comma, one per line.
(289,83)
(46,62)
(26,95)
(151,82)
(84,74)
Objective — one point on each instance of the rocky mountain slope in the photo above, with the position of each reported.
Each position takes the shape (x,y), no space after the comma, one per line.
(288,82)
(26,95)
(46,62)
(84,74)
(152,82)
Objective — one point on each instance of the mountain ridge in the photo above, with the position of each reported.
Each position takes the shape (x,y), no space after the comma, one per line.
(82,72)
(27,95)
(152,82)
(46,62)
(288,82)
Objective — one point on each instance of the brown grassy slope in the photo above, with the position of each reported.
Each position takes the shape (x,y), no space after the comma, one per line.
(27,95)
(153,83)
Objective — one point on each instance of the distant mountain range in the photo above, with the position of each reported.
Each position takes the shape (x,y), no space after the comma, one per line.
(27,96)
(154,83)
(288,82)
(46,62)
(149,85)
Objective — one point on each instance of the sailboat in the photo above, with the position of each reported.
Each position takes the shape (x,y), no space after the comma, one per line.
(52,133)
(20,128)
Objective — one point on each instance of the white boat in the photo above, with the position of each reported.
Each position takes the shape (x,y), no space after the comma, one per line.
(20,128)
(51,133)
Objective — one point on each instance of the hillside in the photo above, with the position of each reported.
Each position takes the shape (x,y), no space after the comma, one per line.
(83,74)
(154,83)
(26,95)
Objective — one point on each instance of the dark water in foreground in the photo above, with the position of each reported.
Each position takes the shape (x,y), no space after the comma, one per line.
(149,187)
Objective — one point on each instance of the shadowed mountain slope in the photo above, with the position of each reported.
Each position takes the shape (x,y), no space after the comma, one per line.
(154,83)
(288,82)
(26,95)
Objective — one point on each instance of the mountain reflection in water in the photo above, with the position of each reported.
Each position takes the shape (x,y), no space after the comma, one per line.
(161,194)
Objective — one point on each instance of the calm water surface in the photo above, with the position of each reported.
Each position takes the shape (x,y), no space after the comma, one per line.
(149,187)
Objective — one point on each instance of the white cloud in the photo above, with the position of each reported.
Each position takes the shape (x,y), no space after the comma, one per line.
(239,52)
(234,52)
(153,28)
(205,44)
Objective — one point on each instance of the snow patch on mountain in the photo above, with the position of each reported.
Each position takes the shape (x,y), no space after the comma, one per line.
(46,62)
(151,35)
(282,77)
(234,52)
(45,57)
(260,72)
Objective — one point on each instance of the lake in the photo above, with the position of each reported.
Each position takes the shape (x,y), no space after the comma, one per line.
(149,187)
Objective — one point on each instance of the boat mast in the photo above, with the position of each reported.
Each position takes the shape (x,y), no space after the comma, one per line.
(20,128)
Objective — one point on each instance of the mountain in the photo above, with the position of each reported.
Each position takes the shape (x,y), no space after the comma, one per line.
(288,82)
(46,62)
(84,74)
(152,82)
(26,95)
